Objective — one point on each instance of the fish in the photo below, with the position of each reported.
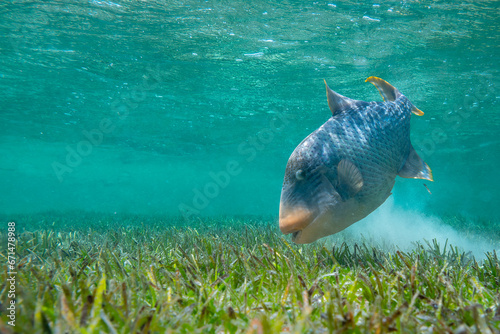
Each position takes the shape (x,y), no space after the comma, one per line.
(346,168)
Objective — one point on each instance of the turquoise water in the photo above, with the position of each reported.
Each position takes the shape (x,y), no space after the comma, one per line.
(136,107)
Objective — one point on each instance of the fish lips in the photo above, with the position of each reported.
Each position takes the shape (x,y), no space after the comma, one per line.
(306,225)
(294,219)
(314,230)
(307,222)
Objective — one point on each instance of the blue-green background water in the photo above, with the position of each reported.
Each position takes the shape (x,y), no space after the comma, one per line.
(170,92)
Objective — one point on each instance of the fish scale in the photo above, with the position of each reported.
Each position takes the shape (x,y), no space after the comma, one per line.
(347,167)
(372,153)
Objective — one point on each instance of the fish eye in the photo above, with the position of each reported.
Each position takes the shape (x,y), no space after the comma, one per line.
(300,174)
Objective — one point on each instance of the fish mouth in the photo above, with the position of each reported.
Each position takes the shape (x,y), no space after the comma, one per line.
(305,236)
(296,235)
(314,230)
(294,220)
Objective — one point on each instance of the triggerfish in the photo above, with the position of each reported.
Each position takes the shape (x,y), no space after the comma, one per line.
(346,169)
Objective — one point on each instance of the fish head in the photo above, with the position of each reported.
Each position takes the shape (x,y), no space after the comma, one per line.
(310,204)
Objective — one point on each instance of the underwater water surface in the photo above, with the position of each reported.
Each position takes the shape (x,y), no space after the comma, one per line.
(188,108)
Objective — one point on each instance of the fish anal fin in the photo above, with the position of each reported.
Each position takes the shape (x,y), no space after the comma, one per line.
(337,103)
(415,167)
(350,180)
(387,91)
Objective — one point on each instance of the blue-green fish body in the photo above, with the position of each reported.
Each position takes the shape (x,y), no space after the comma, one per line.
(346,168)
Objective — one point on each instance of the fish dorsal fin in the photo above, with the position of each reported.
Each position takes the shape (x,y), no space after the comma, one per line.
(337,102)
(415,167)
(390,93)
(350,180)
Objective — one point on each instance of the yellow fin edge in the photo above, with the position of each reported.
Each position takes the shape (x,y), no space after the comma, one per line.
(417,111)
(378,83)
(373,80)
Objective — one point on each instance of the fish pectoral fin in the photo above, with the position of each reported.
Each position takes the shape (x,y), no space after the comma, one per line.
(415,167)
(387,91)
(350,180)
(337,103)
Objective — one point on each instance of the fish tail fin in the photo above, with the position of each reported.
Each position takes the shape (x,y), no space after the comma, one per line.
(390,93)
